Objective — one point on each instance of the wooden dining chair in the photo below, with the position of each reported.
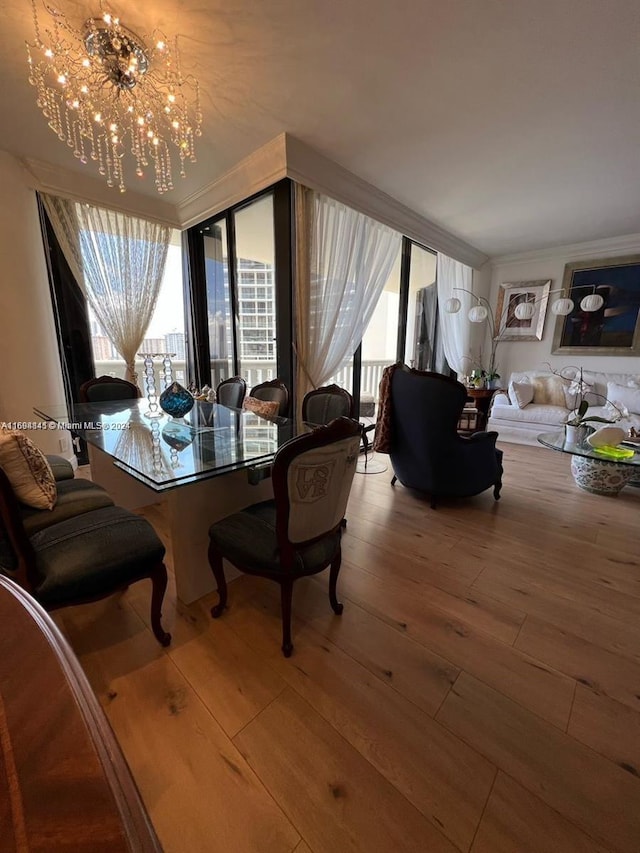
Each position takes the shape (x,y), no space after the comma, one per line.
(322,405)
(231,392)
(105,388)
(274,389)
(297,533)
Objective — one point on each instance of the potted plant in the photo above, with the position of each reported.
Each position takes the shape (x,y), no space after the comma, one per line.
(492,379)
(577,425)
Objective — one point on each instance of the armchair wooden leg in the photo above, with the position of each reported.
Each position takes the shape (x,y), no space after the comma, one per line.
(336,605)
(215,561)
(286,594)
(496,489)
(159,581)
(394,480)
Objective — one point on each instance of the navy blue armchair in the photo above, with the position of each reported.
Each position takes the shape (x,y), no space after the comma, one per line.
(427,453)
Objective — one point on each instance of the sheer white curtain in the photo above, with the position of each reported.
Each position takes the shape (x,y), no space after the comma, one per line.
(455,328)
(118,261)
(344,259)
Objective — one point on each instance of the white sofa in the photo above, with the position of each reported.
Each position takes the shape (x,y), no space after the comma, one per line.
(523,425)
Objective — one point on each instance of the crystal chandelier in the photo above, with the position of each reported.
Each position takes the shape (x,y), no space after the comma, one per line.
(106,94)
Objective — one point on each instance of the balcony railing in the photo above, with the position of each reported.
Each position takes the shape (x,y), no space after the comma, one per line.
(254,372)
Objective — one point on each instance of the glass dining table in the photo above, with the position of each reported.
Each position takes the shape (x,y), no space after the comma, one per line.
(199,468)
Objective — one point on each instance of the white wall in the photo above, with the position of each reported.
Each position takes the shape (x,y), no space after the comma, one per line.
(31,372)
(549,264)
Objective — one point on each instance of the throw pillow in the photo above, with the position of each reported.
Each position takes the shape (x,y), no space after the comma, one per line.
(27,470)
(266,408)
(624,396)
(549,391)
(520,394)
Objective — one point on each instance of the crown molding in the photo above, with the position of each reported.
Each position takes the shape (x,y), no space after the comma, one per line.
(77,186)
(573,251)
(314,170)
(259,170)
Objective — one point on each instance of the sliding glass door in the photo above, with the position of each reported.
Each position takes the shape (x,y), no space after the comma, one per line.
(240,291)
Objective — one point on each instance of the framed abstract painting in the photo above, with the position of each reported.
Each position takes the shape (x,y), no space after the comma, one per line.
(614,327)
(511,294)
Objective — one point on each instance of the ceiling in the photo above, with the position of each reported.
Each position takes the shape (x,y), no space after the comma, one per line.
(513,124)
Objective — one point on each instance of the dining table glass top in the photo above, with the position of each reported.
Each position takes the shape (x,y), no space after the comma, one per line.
(164,452)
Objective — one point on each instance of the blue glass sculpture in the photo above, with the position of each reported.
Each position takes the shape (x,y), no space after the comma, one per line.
(176,400)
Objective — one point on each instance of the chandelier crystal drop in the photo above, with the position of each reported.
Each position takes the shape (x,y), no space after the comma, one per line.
(106,94)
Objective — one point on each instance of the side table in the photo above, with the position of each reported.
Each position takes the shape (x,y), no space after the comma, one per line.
(482,398)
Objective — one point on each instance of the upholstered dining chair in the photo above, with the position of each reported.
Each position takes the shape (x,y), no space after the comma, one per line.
(274,389)
(322,405)
(231,392)
(106,388)
(298,532)
(426,452)
(63,559)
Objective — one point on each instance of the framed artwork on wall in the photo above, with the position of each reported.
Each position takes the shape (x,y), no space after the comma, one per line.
(612,329)
(511,294)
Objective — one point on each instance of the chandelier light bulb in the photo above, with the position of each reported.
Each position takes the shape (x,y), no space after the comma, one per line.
(111,80)
(592,302)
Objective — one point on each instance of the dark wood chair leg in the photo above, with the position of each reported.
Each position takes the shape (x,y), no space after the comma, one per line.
(159,581)
(496,489)
(394,480)
(215,561)
(343,523)
(286,594)
(336,605)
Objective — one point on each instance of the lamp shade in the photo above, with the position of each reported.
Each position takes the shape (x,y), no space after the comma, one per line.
(562,307)
(452,305)
(592,302)
(524,311)
(478,314)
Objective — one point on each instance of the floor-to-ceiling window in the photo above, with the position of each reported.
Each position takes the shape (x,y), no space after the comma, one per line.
(423,346)
(240,287)
(166,331)
(403,327)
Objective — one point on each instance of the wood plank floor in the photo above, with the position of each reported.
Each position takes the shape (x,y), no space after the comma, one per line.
(481,691)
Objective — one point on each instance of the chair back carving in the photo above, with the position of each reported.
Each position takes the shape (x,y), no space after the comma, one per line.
(106,388)
(323,405)
(274,389)
(231,392)
(312,477)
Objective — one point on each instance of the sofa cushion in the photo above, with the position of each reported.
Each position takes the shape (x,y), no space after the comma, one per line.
(533,413)
(549,390)
(75,497)
(624,396)
(520,394)
(27,470)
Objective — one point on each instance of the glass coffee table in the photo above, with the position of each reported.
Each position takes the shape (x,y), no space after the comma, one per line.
(592,470)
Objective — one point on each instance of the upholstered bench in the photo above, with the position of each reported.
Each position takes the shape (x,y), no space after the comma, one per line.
(63,540)
(94,554)
(75,497)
